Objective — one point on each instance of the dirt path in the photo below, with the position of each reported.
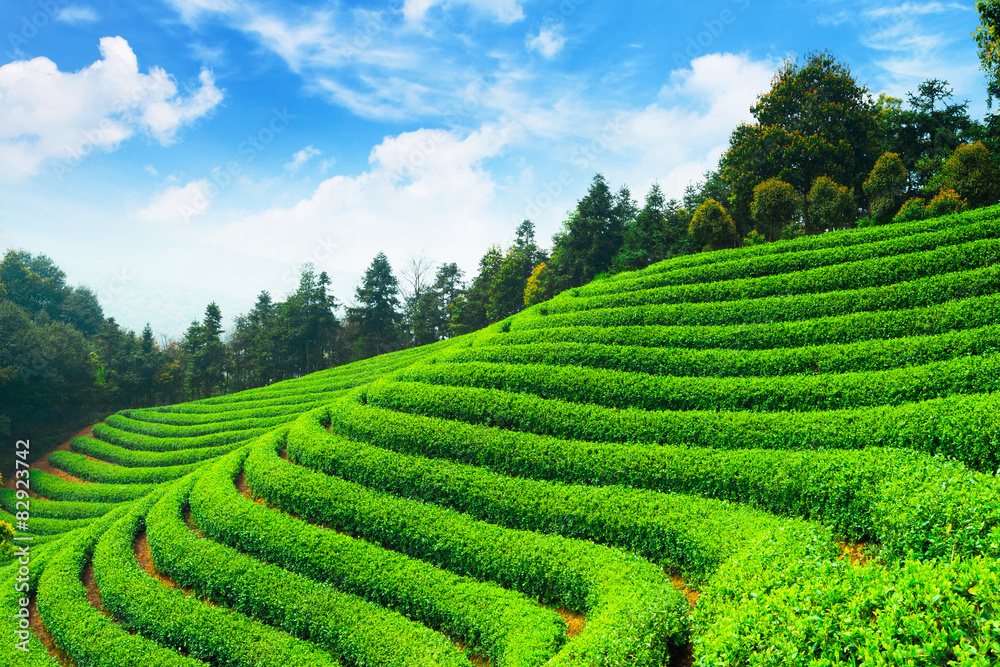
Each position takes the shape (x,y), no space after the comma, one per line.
(43,463)
(45,636)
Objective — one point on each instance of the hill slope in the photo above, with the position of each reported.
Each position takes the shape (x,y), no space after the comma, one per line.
(531,494)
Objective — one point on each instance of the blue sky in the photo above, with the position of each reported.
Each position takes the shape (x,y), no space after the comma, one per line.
(167,153)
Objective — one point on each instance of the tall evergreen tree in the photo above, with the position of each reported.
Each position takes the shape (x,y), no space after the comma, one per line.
(376,318)
(592,236)
(468,310)
(206,354)
(647,240)
(310,329)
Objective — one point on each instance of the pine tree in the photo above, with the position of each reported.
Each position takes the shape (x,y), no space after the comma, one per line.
(376,318)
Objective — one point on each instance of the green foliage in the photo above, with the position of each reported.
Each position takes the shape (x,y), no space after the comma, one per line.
(56,488)
(774,206)
(354,630)
(592,235)
(927,132)
(468,311)
(972,173)
(682,533)
(376,318)
(963,427)
(832,206)
(987,38)
(206,354)
(912,210)
(83,632)
(885,186)
(658,231)
(169,616)
(632,610)
(712,225)
(946,202)
(504,625)
(815,121)
(858,616)
(908,501)
(754,238)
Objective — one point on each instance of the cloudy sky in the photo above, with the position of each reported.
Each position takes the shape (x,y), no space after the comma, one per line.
(167,153)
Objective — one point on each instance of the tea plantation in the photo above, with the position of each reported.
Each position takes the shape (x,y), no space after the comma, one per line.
(783,454)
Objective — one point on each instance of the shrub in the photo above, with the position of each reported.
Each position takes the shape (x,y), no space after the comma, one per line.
(754,238)
(971,173)
(914,209)
(885,186)
(831,206)
(712,225)
(774,206)
(946,202)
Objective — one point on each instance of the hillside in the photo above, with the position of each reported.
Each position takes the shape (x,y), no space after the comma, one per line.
(781,454)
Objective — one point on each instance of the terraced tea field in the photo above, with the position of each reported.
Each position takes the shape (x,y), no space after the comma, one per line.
(777,455)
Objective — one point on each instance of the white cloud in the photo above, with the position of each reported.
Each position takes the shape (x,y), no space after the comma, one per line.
(178,204)
(301,157)
(910,9)
(151,170)
(77,14)
(193,9)
(379,64)
(677,139)
(916,41)
(505,11)
(834,20)
(549,41)
(422,187)
(48,116)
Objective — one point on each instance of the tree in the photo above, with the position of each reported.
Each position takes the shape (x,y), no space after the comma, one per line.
(987,38)
(713,226)
(539,285)
(468,310)
(886,186)
(645,241)
(447,288)
(833,205)
(946,202)
(417,300)
(926,133)
(206,354)
(592,235)
(376,317)
(33,282)
(971,172)
(815,121)
(309,329)
(775,203)
(506,293)
(81,309)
